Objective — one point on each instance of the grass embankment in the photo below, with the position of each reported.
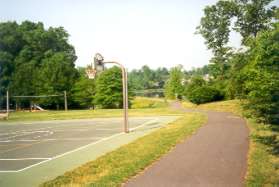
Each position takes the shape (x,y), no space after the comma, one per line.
(222,106)
(140,107)
(263,157)
(118,166)
(144,102)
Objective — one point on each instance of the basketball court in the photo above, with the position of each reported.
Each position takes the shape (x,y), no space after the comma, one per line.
(25,145)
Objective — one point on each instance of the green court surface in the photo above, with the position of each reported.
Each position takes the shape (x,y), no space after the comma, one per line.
(33,152)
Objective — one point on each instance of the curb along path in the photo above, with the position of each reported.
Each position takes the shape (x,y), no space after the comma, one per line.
(215,156)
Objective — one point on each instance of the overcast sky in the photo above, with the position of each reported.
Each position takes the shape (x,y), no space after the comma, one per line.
(159,33)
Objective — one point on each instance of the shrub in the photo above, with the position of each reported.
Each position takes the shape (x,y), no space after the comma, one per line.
(204,94)
(262,82)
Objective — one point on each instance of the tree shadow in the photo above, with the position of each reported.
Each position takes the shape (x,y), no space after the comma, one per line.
(274,128)
(271,141)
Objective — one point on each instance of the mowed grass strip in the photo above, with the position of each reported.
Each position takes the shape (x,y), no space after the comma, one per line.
(221,106)
(145,102)
(118,166)
(87,114)
(141,106)
(263,156)
(263,159)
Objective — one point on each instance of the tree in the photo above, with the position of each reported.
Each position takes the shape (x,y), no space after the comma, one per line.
(235,86)
(109,89)
(195,81)
(251,17)
(146,78)
(214,26)
(261,82)
(160,77)
(10,45)
(35,60)
(174,88)
(135,80)
(83,91)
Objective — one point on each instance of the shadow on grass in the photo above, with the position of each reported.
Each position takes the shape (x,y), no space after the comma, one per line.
(275,128)
(270,140)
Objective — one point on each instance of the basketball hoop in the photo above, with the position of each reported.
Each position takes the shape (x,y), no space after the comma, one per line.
(91,73)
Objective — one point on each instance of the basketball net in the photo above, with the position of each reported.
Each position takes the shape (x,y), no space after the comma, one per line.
(91,73)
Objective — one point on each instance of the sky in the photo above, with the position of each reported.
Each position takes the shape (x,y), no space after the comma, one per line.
(157,33)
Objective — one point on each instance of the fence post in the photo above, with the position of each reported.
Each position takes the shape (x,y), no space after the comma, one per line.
(8,104)
(65,101)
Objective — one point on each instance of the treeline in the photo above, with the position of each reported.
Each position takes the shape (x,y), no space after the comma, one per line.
(39,61)
(148,82)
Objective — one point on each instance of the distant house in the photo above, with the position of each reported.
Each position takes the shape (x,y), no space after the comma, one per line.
(207,77)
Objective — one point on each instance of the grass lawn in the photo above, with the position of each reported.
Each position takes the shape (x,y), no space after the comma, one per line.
(85,114)
(263,162)
(145,102)
(140,107)
(263,157)
(222,106)
(118,166)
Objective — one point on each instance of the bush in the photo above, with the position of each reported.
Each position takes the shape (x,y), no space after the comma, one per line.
(262,82)
(204,94)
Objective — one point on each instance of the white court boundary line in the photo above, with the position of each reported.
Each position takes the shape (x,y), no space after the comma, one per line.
(50,139)
(78,149)
(24,159)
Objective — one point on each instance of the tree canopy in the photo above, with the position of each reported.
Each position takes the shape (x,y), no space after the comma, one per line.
(251,72)
(35,60)
(261,77)
(247,17)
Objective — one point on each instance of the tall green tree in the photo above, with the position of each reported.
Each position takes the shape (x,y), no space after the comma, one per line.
(10,44)
(147,78)
(135,80)
(174,87)
(109,89)
(35,60)
(253,16)
(83,91)
(160,77)
(246,17)
(261,82)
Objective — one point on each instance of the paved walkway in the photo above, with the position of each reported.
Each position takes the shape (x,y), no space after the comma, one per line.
(215,156)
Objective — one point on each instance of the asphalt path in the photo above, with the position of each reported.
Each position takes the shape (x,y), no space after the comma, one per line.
(215,156)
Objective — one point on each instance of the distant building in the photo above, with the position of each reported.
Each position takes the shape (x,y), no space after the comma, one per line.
(207,77)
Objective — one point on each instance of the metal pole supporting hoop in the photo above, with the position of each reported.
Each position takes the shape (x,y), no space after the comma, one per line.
(98,67)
